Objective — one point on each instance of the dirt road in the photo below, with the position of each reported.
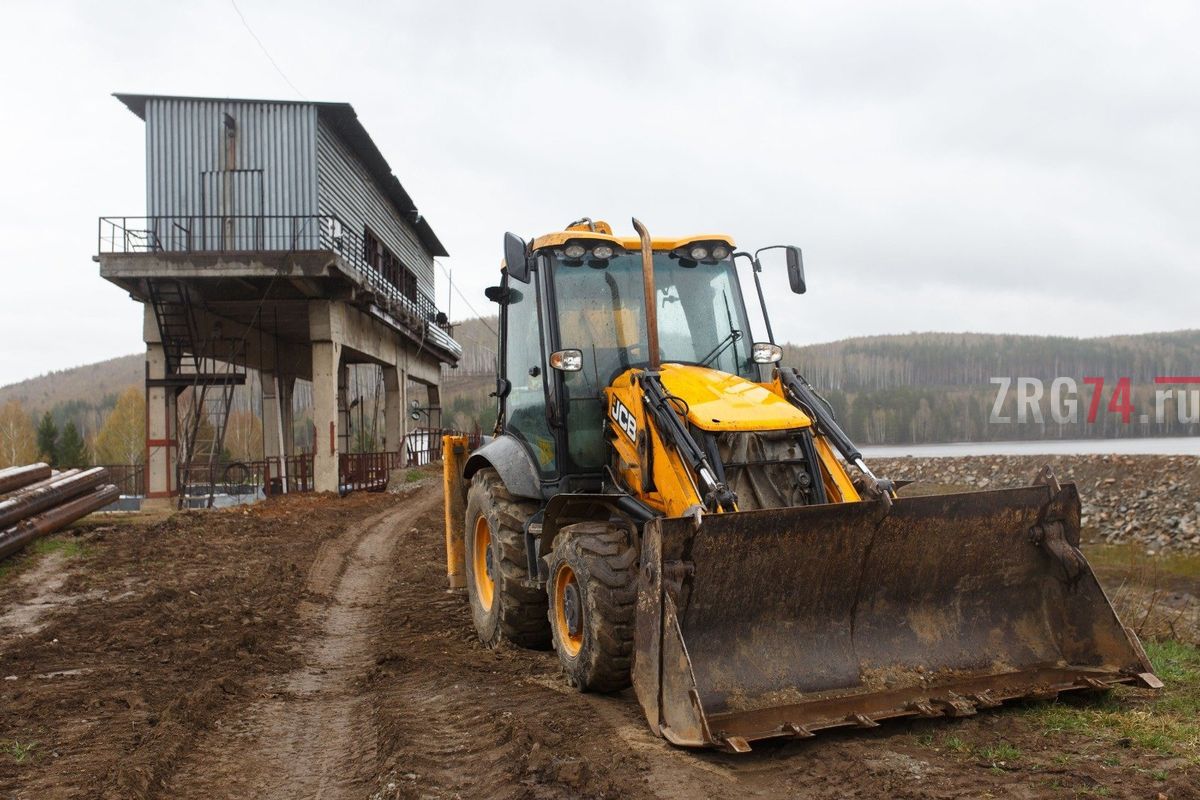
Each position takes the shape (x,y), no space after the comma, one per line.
(308,649)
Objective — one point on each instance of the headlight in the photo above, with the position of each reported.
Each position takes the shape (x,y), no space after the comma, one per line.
(574,251)
(698,253)
(602,251)
(567,360)
(720,251)
(765,353)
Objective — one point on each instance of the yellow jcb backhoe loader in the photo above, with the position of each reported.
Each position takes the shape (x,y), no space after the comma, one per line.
(667,505)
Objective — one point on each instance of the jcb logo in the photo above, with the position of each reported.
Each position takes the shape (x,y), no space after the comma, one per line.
(624,419)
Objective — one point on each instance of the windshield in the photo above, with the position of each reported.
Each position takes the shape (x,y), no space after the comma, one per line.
(701,317)
(601,313)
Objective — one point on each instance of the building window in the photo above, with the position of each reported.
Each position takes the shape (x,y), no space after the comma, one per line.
(388,265)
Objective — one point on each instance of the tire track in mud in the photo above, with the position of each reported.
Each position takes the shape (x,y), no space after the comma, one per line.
(312,735)
(459,720)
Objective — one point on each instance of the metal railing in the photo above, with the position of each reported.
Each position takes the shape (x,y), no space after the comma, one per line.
(424,445)
(129,478)
(363,472)
(247,479)
(397,292)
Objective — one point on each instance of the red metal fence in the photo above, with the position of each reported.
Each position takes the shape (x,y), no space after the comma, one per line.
(356,471)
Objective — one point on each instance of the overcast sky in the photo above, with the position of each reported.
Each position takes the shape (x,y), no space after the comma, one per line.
(981,166)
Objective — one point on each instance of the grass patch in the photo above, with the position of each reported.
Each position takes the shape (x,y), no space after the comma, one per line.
(1168,724)
(1132,556)
(19,752)
(955,744)
(69,548)
(68,545)
(999,753)
(414,475)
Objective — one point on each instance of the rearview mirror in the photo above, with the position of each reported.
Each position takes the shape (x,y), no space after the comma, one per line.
(795,267)
(516,257)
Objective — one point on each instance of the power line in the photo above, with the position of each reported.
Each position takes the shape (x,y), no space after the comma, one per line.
(263,47)
(463,297)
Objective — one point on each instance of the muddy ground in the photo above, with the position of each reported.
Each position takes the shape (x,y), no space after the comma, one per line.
(307,648)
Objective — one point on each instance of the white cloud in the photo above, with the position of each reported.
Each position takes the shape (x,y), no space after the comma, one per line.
(1023,167)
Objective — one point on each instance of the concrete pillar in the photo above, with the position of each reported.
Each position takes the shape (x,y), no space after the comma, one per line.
(395,413)
(326,366)
(272,416)
(162,438)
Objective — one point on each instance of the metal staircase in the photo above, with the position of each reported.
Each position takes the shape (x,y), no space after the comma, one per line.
(204,372)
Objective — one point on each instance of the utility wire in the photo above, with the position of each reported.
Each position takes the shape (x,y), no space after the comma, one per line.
(463,297)
(263,47)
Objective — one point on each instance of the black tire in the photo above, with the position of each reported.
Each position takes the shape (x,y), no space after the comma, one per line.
(602,559)
(516,612)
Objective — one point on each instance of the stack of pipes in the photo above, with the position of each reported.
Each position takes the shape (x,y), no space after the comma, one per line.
(35,501)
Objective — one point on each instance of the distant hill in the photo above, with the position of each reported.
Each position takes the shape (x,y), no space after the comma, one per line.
(87,384)
(907,388)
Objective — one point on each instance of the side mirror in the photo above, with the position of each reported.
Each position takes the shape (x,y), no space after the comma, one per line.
(516,257)
(497,294)
(795,267)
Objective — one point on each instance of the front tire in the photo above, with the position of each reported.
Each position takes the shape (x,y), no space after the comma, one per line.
(592,604)
(503,607)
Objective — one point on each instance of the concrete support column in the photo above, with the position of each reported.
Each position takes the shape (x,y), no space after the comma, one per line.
(326,366)
(272,415)
(395,410)
(162,438)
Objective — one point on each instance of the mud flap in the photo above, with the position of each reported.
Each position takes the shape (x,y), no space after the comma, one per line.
(785,622)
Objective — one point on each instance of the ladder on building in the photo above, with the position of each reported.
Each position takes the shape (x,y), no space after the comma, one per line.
(210,367)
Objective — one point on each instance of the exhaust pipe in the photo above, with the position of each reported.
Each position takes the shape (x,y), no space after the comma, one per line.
(651,295)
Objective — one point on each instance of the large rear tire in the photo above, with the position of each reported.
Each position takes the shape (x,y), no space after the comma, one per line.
(593,601)
(503,607)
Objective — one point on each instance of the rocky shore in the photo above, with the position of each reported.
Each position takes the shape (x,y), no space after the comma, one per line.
(1150,500)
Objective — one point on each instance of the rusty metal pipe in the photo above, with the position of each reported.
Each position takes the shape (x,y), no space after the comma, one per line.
(55,475)
(24,532)
(53,494)
(648,288)
(14,478)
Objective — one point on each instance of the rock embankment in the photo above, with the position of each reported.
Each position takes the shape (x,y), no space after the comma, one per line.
(1150,500)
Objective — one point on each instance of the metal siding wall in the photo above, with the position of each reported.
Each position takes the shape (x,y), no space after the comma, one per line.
(185,138)
(347,190)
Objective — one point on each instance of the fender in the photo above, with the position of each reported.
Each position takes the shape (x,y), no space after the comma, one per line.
(507,456)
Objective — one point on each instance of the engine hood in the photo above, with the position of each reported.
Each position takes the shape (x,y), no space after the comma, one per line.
(718,401)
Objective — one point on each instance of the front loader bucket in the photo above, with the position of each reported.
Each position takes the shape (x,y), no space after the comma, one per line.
(785,622)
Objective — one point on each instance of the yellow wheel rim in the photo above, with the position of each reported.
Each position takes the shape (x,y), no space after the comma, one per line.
(481,557)
(568,611)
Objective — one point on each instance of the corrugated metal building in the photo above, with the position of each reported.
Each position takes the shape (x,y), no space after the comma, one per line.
(230,174)
(275,239)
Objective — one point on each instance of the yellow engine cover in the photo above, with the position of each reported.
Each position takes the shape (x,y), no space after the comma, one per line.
(718,401)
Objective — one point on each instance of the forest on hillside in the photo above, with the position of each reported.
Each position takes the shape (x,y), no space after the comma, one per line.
(937,387)
(901,389)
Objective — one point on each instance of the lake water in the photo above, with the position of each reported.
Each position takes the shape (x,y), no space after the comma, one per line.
(1166,446)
